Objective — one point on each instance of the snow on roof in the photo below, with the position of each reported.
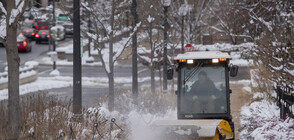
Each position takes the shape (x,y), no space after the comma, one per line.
(20,38)
(203,55)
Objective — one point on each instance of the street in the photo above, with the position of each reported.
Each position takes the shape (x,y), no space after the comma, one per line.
(37,51)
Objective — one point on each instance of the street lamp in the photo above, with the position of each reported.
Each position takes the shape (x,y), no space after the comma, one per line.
(183,12)
(165,4)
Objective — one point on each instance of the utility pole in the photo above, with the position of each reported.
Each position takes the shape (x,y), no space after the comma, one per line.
(89,30)
(182,35)
(77,68)
(182,13)
(165,50)
(134,53)
(53,40)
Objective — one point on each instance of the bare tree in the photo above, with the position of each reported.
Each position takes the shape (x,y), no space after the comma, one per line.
(227,17)
(274,50)
(105,15)
(13,11)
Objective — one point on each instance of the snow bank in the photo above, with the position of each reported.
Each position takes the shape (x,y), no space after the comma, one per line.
(261,120)
(40,84)
(21,76)
(31,63)
(54,73)
(224,47)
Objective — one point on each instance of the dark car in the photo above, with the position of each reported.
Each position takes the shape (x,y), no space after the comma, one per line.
(29,33)
(23,43)
(42,35)
(2,42)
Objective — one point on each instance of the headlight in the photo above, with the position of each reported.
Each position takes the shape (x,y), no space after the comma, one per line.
(190,61)
(215,61)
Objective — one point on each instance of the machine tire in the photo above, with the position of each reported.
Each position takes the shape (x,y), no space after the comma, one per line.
(233,128)
(221,137)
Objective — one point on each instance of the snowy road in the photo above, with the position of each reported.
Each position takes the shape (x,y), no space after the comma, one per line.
(38,50)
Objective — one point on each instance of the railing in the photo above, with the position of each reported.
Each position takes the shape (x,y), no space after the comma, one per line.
(285,102)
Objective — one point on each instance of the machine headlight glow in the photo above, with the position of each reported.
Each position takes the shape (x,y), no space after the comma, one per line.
(190,61)
(214,60)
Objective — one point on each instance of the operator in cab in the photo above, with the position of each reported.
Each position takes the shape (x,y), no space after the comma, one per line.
(205,89)
(201,94)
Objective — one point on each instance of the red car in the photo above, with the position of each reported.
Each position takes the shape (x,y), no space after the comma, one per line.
(23,44)
(42,25)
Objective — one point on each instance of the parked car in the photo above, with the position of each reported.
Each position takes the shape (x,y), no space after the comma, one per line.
(68,27)
(58,32)
(62,17)
(28,15)
(42,25)
(23,44)
(29,33)
(42,35)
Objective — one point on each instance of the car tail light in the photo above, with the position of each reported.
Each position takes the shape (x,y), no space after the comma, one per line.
(48,36)
(43,33)
(37,35)
(20,33)
(25,43)
(37,26)
(33,33)
(27,31)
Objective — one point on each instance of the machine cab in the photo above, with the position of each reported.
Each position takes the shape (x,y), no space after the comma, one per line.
(203,85)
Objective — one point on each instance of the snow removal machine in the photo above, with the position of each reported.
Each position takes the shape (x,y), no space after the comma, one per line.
(203,98)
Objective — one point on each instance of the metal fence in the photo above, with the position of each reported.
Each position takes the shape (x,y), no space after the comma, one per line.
(285,102)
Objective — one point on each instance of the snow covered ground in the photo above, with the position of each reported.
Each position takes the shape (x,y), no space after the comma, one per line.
(260,119)
(45,83)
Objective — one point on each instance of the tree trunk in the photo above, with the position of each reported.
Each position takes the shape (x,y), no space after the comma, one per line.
(152,68)
(111,91)
(111,63)
(13,61)
(134,53)
(233,39)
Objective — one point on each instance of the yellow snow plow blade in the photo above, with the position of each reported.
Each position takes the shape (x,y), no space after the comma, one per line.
(193,129)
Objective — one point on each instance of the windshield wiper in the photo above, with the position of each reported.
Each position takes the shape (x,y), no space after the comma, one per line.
(194,71)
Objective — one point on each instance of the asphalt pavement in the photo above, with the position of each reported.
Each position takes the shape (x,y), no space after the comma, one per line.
(38,50)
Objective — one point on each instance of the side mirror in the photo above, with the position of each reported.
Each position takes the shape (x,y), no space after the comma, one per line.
(234,71)
(170,74)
